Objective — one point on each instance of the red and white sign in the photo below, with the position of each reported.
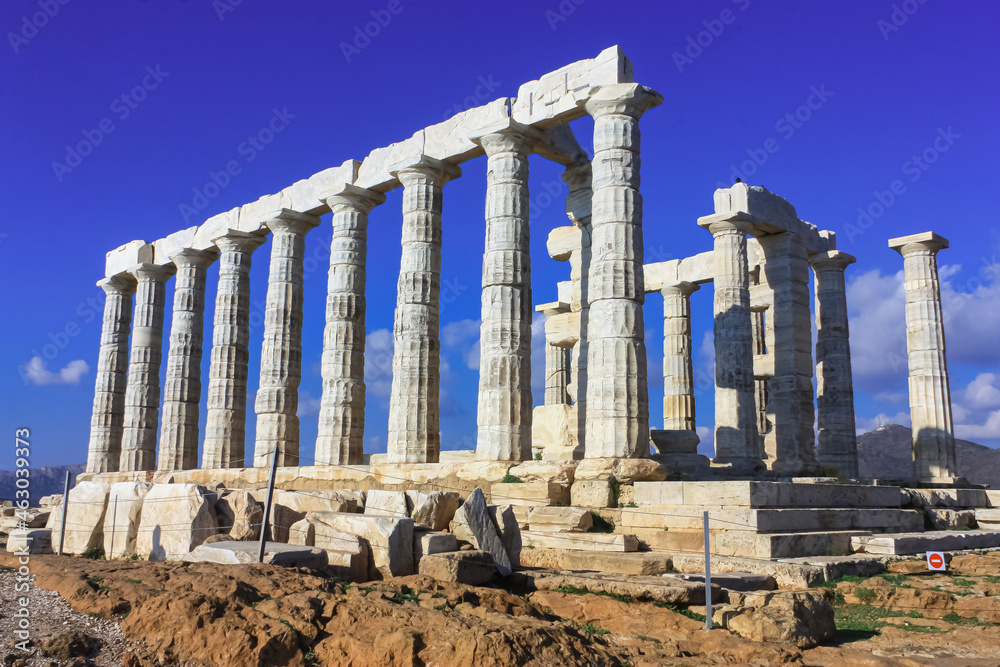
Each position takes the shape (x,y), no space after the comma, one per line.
(935,561)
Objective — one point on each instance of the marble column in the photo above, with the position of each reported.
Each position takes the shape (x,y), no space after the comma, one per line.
(142,393)
(579,207)
(930,394)
(790,390)
(617,392)
(107,419)
(504,413)
(837,439)
(340,439)
(678,368)
(758,330)
(735,409)
(179,433)
(557,360)
(281,352)
(414,411)
(225,428)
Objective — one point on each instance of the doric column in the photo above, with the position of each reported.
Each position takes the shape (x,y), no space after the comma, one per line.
(930,393)
(837,439)
(281,353)
(414,433)
(579,207)
(790,390)
(142,394)
(106,422)
(758,330)
(182,388)
(617,394)
(225,428)
(678,368)
(735,410)
(557,362)
(340,439)
(504,414)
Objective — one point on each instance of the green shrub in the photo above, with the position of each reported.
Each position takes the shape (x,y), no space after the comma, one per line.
(94,553)
(866,595)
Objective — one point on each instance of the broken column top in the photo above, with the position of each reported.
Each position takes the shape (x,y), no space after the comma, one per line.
(769,213)
(930,239)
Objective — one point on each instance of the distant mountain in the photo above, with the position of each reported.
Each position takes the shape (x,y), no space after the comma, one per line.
(45,481)
(886,452)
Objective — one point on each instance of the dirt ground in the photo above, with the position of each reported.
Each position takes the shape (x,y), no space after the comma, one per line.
(141,614)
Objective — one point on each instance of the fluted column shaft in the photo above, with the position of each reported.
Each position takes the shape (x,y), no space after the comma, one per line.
(735,409)
(225,428)
(557,360)
(504,413)
(340,439)
(837,439)
(930,393)
(281,352)
(142,394)
(579,207)
(107,419)
(414,411)
(182,388)
(790,388)
(678,367)
(617,393)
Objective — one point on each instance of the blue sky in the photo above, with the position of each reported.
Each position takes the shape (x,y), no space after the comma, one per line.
(166,93)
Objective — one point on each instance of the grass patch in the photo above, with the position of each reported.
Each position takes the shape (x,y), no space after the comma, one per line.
(399,597)
(832,583)
(897,580)
(511,479)
(93,553)
(441,607)
(992,579)
(601,525)
(963,582)
(573,590)
(866,595)
(955,619)
(593,630)
(98,584)
(693,615)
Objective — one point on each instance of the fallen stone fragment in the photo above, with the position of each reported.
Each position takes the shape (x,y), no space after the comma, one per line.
(275,553)
(435,509)
(804,618)
(560,519)
(84,518)
(474,568)
(121,521)
(175,519)
(239,514)
(474,516)
(510,533)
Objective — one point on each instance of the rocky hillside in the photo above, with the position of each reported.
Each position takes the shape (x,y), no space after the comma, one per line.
(886,452)
(45,481)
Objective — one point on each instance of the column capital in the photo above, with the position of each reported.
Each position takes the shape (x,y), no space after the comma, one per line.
(831,260)
(914,244)
(123,283)
(681,287)
(234,239)
(292,222)
(353,198)
(507,136)
(554,308)
(720,223)
(629,99)
(194,259)
(424,167)
(157,272)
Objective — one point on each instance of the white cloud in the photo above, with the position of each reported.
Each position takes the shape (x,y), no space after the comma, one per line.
(378,363)
(983,392)
(864,425)
(990,429)
(463,335)
(36,373)
(878,330)
(308,404)
(704,371)
(975,412)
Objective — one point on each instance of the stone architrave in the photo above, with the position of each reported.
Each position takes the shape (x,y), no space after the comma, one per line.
(225,429)
(142,394)
(930,393)
(182,388)
(504,413)
(414,411)
(340,439)
(678,367)
(785,273)
(735,408)
(281,354)
(837,440)
(617,422)
(106,424)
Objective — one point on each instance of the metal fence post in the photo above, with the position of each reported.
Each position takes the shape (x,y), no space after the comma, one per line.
(708,578)
(65,502)
(114,519)
(265,524)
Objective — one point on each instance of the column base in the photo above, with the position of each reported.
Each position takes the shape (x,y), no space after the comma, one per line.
(742,465)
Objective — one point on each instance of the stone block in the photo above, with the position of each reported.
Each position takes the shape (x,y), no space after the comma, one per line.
(275,553)
(749,544)
(32,541)
(560,519)
(554,472)
(624,470)
(902,544)
(600,561)
(175,518)
(121,521)
(434,509)
(608,542)
(347,555)
(432,542)
(988,518)
(387,503)
(123,258)
(529,494)
(239,515)
(474,518)
(85,510)
(291,506)
(804,618)
(473,568)
(510,531)
(599,493)
(388,539)
(949,519)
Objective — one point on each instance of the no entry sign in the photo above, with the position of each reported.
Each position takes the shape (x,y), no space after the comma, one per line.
(935,561)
